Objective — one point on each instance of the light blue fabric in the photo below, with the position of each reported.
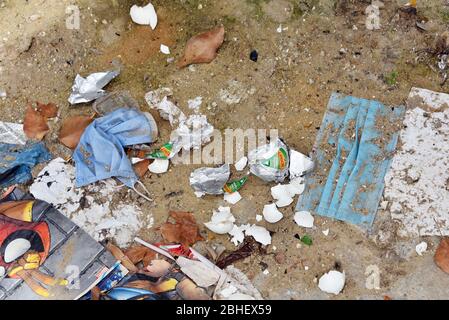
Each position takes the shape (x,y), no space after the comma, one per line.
(352,155)
(16,162)
(100,153)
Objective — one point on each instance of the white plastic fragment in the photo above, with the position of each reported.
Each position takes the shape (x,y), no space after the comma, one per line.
(159,166)
(232,198)
(164,49)
(259,217)
(304,219)
(237,234)
(195,104)
(144,15)
(260,234)
(326,232)
(222,221)
(332,282)
(271,213)
(421,248)
(282,194)
(241,164)
(299,164)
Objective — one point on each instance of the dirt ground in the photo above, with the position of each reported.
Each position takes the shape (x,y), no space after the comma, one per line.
(324,46)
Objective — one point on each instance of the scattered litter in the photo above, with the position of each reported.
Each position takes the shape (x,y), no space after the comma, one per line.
(168,110)
(164,152)
(253,56)
(113,101)
(17,161)
(159,166)
(197,271)
(332,282)
(416,185)
(12,133)
(195,104)
(35,225)
(299,164)
(241,164)
(100,154)
(222,221)
(232,198)
(266,272)
(91,88)
(164,49)
(307,240)
(282,195)
(144,15)
(326,232)
(271,213)
(192,133)
(203,47)
(184,230)
(259,217)
(248,247)
(72,129)
(441,257)
(359,136)
(237,234)
(270,162)
(235,185)
(421,248)
(260,234)
(304,219)
(35,122)
(210,180)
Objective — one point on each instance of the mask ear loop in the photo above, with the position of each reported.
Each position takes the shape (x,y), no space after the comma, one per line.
(145,189)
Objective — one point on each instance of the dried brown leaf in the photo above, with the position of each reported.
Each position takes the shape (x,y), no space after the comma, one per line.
(203,47)
(247,248)
(140,253)
(72,129)
(140,168)
(119,255)
(49,110)
(35,124)
(184,230)
(441,257)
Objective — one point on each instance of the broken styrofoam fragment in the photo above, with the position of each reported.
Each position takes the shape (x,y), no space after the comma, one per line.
(144,15)
(195,104)
(283,202)
(199,194)
(260,234)
(241,164)
(136,160)
(222,221)
(296,186)
(304,219)
(421,248)
(159,166)
(232,198)
(271,213)
(164,49)
(332,282)
(299,164)
(326,232)
(237,234)
(259,217)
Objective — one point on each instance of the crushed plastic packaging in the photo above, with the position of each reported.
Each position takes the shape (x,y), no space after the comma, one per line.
(270,162)
(113,101)
(90,88)
(16,162)
(210,180)
(100,153)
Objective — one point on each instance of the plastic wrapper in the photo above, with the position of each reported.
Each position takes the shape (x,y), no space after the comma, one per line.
(270,162)
(113,101)
(91,88)
(210,180)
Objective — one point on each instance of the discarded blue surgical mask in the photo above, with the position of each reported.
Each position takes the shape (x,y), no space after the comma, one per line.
(100,153)
(353,151)
(16,162)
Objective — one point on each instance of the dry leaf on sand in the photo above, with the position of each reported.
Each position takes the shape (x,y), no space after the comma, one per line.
(203,47)
(442,255)
(184,230)
(49,110)
(72,129)
(35,124)
(141,167)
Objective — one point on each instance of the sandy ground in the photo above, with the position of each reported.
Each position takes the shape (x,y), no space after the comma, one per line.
(324,47)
